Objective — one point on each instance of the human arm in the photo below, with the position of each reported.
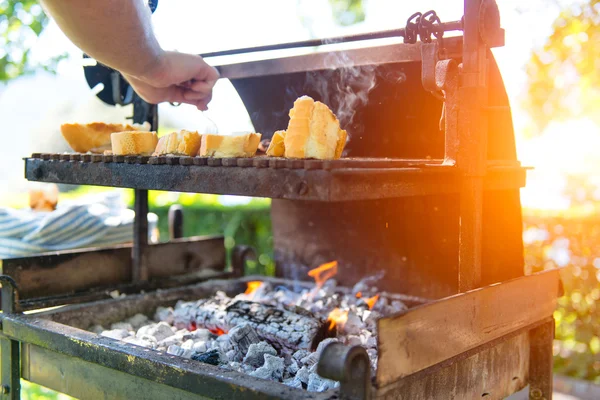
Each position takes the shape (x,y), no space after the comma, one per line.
(118,33)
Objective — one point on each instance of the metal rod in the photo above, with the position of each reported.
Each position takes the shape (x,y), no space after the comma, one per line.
(447,27)
(140,236)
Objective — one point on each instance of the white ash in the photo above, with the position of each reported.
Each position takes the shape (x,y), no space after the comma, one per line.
(258,352)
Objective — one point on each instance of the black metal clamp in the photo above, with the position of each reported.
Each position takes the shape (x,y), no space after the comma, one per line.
(350,366)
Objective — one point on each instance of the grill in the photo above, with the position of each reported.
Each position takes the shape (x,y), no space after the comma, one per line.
(428,193)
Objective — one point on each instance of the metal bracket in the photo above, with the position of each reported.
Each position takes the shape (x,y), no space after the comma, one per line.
(446,80)
(350,366)
(239,256)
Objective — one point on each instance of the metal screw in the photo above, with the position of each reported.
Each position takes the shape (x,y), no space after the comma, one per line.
(5,389)
(535,394)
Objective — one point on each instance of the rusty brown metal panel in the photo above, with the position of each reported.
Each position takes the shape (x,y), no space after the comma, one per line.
(79,270)
(429,334)
(491,374)
(542,361)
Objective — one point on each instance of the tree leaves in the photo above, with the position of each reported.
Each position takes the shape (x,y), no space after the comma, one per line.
(21,22)
(564,78)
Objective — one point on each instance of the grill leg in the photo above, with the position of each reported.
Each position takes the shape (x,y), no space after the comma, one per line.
(541,361)
(10,362)
(140,236)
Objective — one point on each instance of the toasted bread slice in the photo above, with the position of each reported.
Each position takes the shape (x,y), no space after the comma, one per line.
(133,143)
(95,137)
(313,131)
(183,143)
(229,146)
(277,147)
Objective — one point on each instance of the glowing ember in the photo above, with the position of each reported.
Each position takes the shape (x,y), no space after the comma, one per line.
(371,301)
(217,331)
(252,286)
(323,272)
(338,318)
(358,295)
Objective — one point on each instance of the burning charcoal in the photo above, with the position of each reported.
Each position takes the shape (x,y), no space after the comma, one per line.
(231,355)
(211,357)
(188,344)
(300,354)
(397,306)
(354,340)
(174,339)
(353,324)
(197,335)
(224,343)
(165,314)
(318,384)
(313,358)
(160,331)
(137,342)
(293,368)
(199,347)
(241,337)
(97,329)
(303,375)
(122,325)
(137,321)
(117,334)
(257,352)
(271,370)
(293,382)
(371,342)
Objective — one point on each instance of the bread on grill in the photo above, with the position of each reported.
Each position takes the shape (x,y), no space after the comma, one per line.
(229,146)
(43,198)
(276,147)
(183,143)
(95,137)
(132,143)
(313,131)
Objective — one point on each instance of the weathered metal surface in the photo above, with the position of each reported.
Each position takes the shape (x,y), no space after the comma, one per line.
(336,184)
(188,375)
(542,361)
(372,55)
(139,255)
(350,366)
(86,380)
(491,372)
(411,341)
(68,272)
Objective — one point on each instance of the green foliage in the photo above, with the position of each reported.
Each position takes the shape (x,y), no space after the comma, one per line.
(577,347)
(21,22)
(563,74)
(347,12)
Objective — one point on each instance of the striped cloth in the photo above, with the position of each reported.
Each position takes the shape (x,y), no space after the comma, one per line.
(95,221)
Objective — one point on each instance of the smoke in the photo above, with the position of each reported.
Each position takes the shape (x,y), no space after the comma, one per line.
(344,87)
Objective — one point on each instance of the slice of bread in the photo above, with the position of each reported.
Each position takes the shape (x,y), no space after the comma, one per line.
(95,137)
(132,143)
(183,143)
(276,147)
(229,146)
(313,131)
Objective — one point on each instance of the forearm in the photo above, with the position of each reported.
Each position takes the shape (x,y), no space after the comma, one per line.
(118,33)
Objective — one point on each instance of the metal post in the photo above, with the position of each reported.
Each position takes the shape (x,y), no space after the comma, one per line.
(175,221)
(541,361)
(10,361)
(472,155)
(140,236)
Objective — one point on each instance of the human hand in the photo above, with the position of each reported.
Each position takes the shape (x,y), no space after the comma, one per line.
(177,78)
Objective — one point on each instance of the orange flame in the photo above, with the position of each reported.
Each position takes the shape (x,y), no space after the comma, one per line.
(252,286)
(323,272)
(217,331)
(358,295)
(337,317)
(371,301)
